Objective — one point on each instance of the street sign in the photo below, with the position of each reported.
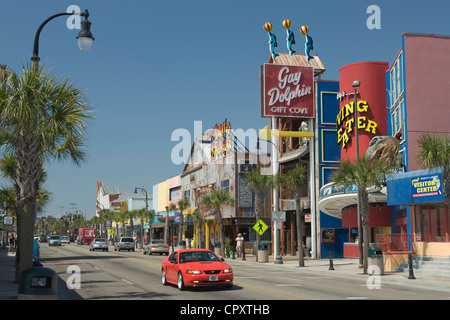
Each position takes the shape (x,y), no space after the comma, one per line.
(265,133)
(260,227)
(279,216)
(8,221)
(111,232)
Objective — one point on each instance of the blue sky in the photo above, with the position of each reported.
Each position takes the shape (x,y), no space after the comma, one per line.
(156,66)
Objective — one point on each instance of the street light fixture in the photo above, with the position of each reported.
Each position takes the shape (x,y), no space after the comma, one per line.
(146,196)
(84,37)
(355,85)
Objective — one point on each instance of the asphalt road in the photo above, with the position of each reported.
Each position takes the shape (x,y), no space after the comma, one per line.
(131,275)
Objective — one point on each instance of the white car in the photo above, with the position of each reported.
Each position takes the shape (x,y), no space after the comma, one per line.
(54,241)
(65,239)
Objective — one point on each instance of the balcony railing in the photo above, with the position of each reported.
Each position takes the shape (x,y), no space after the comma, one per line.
(395,242)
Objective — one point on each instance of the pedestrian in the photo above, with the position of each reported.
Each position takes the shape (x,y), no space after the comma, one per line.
(239,244)
(175,238)
(36,254)
(11,243)
(144,239)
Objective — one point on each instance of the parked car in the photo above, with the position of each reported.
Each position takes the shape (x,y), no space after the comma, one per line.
(43,238)
(54,240)
(156,246)
(36,237)
(124,243)
(98,244)
(196,267)
(65,239)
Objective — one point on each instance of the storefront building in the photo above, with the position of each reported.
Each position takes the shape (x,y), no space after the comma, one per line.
(334,200)
(410,101)
(217,163)
(330,233)
(118,201)
(418,104)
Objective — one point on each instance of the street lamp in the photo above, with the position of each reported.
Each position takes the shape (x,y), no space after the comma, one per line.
(84,37)
(355,85)
(146,196)
(275,193)
(146,207)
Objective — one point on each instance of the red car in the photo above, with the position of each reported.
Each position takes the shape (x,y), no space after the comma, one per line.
(195,268)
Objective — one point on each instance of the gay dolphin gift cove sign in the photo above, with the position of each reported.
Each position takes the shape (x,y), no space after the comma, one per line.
(287,91)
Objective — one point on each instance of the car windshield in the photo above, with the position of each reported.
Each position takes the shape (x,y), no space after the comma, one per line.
(127,240)
(157,241)
(194,256)
(54,237)
(100,240)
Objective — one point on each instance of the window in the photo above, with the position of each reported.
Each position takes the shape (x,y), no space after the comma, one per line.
(225,185)
(432,223)
(187,195)
(174,193)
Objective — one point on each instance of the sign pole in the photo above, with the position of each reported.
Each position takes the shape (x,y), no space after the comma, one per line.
(275,168)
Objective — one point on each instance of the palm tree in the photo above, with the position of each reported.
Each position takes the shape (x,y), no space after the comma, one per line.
(42,118)
(215,200)
(364,174)
(182,205)
(294,181)
(105,216)
(259,183)
(8,193)
(198,220)
(117,217)
(166,226)
(434,152)
(145,215)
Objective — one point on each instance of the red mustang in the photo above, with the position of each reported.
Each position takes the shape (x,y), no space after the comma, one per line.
(196,267)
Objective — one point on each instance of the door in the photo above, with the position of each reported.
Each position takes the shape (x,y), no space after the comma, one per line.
(172,267)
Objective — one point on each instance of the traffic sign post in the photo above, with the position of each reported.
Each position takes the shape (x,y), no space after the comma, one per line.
(278,216)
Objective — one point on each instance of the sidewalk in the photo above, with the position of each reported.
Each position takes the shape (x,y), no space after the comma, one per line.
(348,268)
(8,288)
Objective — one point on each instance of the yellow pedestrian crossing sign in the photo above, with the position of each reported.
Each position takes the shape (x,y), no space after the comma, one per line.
(260,227)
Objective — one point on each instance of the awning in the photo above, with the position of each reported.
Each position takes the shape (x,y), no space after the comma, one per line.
(191,210)
(158,225)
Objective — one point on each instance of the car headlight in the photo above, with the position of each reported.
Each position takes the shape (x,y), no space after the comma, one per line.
(193,272)
(228,271)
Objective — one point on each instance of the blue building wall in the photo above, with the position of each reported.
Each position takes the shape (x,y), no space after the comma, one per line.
(397,115)
(329,155)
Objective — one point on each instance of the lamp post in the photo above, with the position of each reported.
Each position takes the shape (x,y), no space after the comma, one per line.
(84,37)
(146,208)
(146,196)
(275,193)
(355,85)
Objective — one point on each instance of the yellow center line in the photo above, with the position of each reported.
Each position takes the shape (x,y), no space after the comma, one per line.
(148,263)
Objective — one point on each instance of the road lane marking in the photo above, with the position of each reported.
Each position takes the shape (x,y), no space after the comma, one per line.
(288,285)
(124,280)
(357,298)
(148,263)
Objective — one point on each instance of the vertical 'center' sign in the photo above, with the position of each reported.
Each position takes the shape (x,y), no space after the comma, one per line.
(287,91)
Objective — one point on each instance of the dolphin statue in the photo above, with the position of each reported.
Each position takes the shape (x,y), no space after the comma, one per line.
(308,47)
(272,45)
(290,41)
